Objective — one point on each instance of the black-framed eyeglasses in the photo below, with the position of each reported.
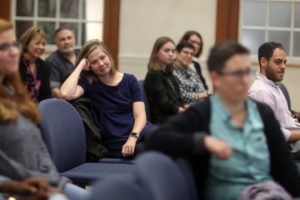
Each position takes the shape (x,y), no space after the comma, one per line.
(188,53)
(239,74)
(5,47)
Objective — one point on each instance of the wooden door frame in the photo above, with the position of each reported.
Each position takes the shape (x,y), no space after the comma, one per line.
(111,27)
(227,20)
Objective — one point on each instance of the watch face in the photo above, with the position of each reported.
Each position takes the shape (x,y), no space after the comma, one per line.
(134,135)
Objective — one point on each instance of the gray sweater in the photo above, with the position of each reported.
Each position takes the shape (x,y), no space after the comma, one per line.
(23,153)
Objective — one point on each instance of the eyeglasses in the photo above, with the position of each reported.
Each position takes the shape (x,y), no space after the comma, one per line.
(239,74)
(5,47)
(188,53)
(195,42)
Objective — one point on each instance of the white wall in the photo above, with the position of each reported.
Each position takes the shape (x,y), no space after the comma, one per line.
(143,21)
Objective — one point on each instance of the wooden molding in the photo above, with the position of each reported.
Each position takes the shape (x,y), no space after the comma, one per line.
(227,20)
(5,9)
(111,27)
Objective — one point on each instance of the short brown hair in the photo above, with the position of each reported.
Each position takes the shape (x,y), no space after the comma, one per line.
(29,34)
(85,51)
(266,50)
(222,52)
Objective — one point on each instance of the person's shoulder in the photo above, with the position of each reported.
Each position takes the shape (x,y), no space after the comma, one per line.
(153,76)
(258,86)
(203,105)
(129,76)
(52,57)
(152,71)
(196,64)
(262,107)
(43,63)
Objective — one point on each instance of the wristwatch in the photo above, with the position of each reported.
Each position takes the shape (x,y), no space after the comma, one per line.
(133,134)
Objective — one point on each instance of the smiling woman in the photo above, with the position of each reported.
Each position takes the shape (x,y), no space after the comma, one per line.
(116,97)
(35,73)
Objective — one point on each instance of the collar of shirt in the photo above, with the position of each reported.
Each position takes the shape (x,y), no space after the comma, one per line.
(181,69)
(225,116)
(267,81)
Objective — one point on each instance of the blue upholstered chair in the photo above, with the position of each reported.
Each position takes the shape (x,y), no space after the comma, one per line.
(116,188)
(64,136)
(285,93)
(141,82)
(161,177)
(187,170)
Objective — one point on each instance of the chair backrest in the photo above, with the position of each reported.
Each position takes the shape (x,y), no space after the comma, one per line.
(63,133)
(186,168)
(141,82)
(116,188)
(285,93)
(161,177)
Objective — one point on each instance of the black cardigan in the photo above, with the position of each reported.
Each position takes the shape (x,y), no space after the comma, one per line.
(43,73)
(183,136)
(199,72)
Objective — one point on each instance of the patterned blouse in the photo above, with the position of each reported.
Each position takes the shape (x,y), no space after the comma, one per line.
(189,83)
(32,82)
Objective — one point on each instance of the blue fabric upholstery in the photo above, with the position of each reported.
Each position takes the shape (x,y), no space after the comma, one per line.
(118,188)
(141,82)
(189,175)
(161,177)
(64,135)
(90,172)
(116,160)
(285,93)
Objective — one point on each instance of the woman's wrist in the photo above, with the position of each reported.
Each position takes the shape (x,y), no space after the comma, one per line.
(134,135)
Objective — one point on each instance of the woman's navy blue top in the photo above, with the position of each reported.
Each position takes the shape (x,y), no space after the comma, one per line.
(114,106)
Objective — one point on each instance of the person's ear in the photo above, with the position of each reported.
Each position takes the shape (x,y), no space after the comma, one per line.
(263,62)
(215,79)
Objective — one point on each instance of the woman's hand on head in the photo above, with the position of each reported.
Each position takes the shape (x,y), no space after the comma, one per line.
(218,147)
(84,63)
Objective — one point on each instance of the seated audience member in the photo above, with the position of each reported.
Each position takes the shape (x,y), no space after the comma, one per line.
(160,84)
(23,153)
(233,143)
(62,61)
(116,97)
(196,40)
(191,87)
(35,72)
(272,61)
(31,188)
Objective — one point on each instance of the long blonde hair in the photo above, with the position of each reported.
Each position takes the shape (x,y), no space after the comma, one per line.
(14,98)
(154,61)
(85,51)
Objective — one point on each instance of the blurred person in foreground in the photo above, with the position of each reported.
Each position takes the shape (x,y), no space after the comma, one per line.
(234,144)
